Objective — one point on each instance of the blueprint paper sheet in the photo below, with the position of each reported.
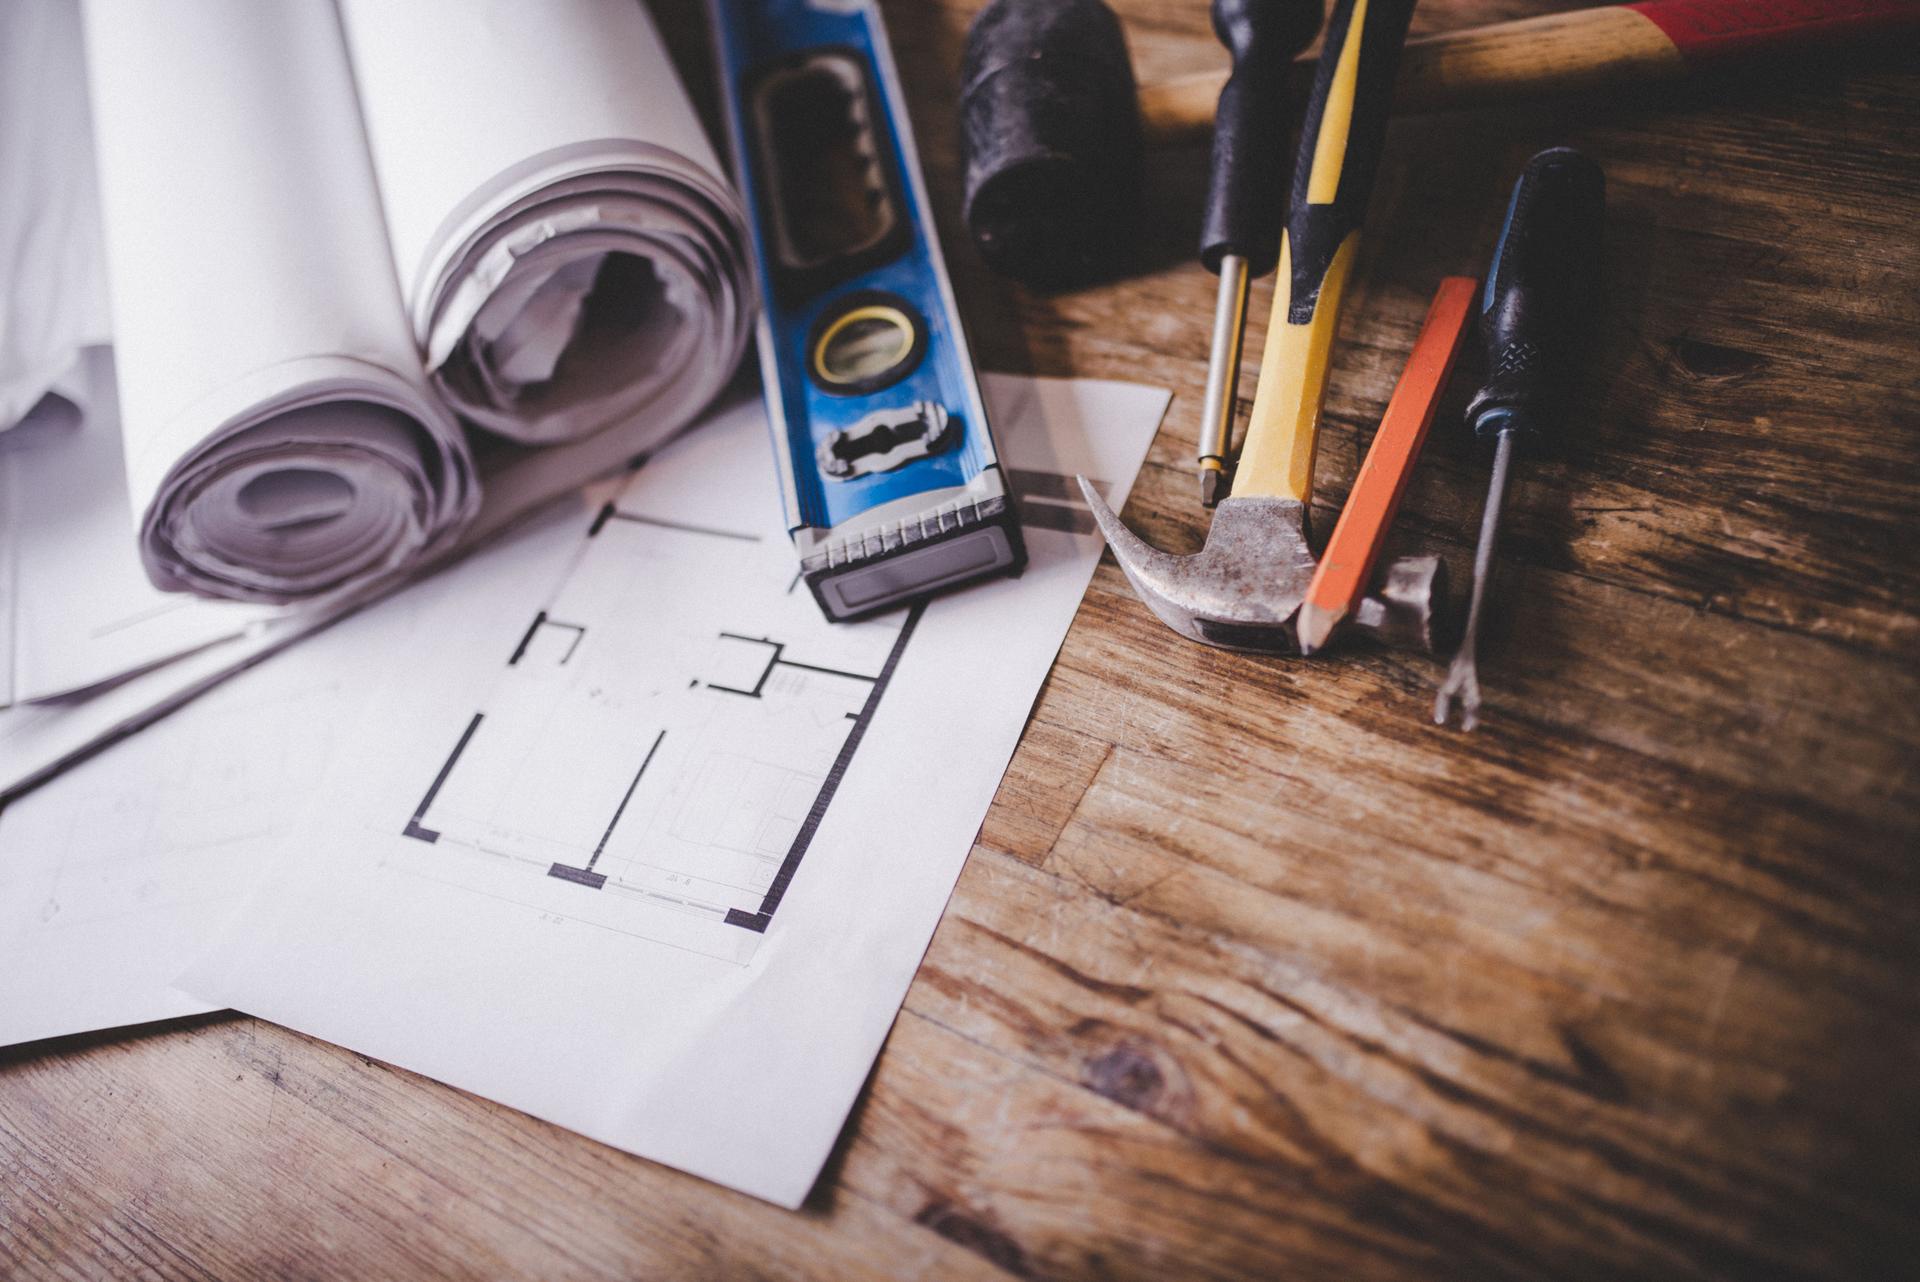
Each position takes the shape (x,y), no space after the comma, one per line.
(115,874)
(663,875)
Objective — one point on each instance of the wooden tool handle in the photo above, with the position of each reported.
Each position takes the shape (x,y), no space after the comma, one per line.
(1342,132)
(1566,53)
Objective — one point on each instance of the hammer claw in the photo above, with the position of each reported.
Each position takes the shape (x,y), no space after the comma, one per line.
(1243,590)
(1240,591)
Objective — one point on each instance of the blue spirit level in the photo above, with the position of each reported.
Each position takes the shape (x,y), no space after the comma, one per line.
(892,486)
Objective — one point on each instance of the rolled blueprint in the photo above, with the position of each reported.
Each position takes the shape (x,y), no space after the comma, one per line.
(53,298)
(280,441)
(569,254)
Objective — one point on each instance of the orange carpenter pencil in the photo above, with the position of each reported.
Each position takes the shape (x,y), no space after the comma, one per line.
(1362,528)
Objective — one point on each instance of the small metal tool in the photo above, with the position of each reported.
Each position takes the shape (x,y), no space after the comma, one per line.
(1541,295)
(1246,195)
(1223,376)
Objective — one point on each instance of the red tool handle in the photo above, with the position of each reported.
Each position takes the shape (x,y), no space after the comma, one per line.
(1579,51)
(1709,31)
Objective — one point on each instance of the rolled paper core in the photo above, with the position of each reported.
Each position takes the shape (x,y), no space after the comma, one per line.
(300,503)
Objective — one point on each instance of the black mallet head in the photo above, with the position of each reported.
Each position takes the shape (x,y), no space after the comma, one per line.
(1050,128)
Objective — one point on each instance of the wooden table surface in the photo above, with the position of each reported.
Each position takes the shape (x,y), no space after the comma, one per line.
(1254,972)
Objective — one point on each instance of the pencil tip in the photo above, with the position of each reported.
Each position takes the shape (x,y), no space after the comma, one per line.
(1314,625)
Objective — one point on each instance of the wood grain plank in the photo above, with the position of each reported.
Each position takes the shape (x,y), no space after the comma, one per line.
(232,1148)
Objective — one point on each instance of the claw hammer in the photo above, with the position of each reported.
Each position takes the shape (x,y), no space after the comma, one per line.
(1243,589)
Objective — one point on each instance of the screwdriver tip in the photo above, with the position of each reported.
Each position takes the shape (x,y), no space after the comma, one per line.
(1212,482)
(1463,683)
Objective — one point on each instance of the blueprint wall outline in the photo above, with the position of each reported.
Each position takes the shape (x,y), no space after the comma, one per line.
(664,739)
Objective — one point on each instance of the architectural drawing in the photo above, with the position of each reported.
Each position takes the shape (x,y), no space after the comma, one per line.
(664,741)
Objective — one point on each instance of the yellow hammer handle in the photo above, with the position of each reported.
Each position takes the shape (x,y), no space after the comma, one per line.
(1283,429)
(1341,135)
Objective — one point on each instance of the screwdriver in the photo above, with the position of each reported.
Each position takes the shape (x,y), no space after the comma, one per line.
(1246,194)
(1541,295)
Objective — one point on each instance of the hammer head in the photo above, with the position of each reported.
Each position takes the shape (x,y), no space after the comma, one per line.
(1243,589)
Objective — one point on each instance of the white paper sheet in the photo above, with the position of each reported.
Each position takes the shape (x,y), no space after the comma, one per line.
(116,874)
(569,252)
(463,935)
(117,839)
(82,611)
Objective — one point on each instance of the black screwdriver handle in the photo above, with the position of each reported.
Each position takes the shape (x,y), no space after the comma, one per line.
(1247,188)
(1541,295)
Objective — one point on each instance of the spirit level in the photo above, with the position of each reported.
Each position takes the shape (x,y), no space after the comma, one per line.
(892,486)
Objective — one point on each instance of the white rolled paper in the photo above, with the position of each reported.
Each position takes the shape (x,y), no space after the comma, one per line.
(53,297)
(280,442)
(569,253)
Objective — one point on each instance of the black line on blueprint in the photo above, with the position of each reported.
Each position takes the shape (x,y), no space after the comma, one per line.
(587,876)
(761,683)
(778,660)
(616,514)
(520,651)
(414,827)
(541,620)
(832,672)
(818,811)
(615,821)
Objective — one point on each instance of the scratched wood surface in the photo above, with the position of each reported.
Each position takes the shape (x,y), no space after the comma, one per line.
(1253,972)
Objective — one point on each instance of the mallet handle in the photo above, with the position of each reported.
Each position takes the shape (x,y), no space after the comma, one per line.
(1341,135)
(1566,53)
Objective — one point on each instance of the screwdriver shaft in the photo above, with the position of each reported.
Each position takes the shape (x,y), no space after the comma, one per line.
(1463,677)
(1223,376)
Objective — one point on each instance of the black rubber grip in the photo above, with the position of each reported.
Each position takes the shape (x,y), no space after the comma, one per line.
(1541,295)
(1247,188)
(1315,232)
(1050,138)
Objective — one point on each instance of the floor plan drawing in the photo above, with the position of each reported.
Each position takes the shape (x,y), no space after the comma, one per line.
(664,739)
(651,850)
